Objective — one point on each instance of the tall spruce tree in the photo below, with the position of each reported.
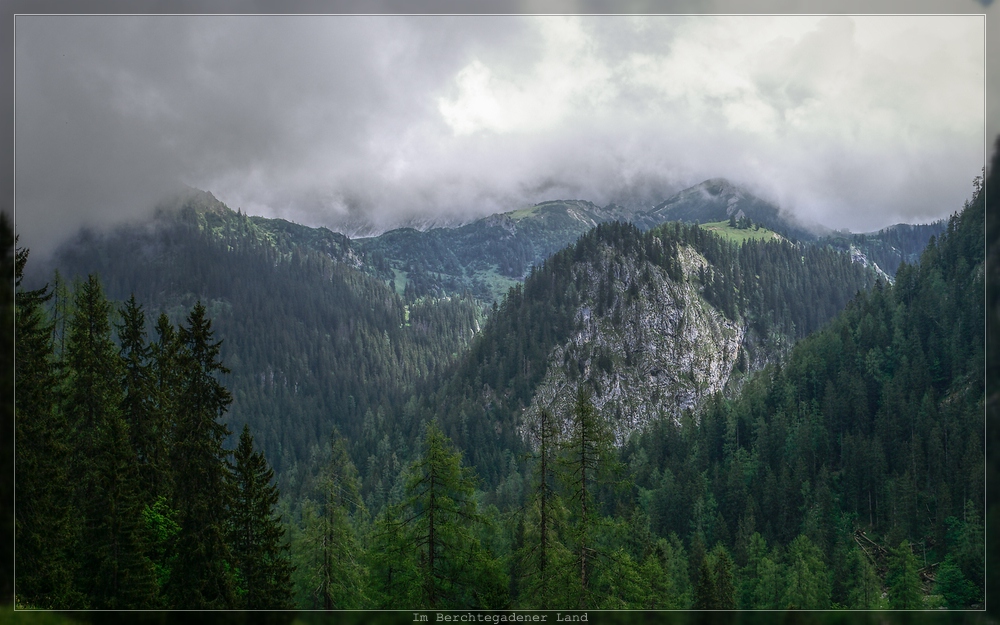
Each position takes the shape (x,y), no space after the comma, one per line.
(256,534)
(165,370)
(45,531)
(147,433)
(725,583)
(8,262)
(716,588)
(202,575)
(115,572)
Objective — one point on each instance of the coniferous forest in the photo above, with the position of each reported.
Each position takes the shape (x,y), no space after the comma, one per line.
(846,470)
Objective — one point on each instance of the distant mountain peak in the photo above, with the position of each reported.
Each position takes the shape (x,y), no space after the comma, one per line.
(718,199)
(716,186)
(190,198)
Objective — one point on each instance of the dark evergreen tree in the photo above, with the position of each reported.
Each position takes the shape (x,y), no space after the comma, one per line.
(202,576)
(725,582)
(704,592)
(146,424)
(115,572)
(716,589)
(45,528)
(8,264)
(256,535)
(165,370)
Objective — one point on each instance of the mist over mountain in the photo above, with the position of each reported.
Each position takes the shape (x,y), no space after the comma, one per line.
(717,199)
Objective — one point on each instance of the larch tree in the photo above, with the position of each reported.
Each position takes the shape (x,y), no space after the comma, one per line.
(903,580)
(588,460)
(544,560)
(808,585)
(865,591)
(439,513)
(330,571)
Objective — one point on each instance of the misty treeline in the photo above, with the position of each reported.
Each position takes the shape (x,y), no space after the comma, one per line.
(310,339)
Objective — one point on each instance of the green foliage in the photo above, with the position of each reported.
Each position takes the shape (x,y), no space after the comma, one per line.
(44,521)
(544,561)
(664,577)
(146,421)
(890,247)
(965,539)
(877,416)
(716,588)
(588,460)
(120,523)
(442,559)
(8,266)
(329,560)
(870,423)
(957,591)
(115,572)
(161,531)
(484,258)
(203,576)
(866,592)
(312,338)
(902,579)
(256,536)
(808,585)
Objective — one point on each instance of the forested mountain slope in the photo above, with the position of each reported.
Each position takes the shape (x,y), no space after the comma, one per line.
(869,435)
(486,257)
(654,322)
(889,247)
(311,341)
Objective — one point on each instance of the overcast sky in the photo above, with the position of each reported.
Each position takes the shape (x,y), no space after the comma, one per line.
(852,122)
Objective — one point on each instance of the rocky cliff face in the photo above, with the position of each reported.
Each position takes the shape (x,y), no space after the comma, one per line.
(651,346)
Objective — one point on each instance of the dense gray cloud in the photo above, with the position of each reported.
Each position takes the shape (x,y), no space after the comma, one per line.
(852,122)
